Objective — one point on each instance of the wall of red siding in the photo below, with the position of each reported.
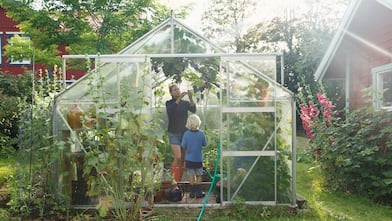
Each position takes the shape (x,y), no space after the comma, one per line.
(362,64)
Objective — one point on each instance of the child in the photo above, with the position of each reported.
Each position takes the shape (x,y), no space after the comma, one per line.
(193,141)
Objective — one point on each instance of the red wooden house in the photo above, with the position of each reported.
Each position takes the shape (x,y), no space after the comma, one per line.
(360,55)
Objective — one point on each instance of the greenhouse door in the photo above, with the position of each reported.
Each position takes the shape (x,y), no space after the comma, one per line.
(248,129)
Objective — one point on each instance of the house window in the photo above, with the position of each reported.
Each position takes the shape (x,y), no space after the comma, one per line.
(382,85)
(24,61)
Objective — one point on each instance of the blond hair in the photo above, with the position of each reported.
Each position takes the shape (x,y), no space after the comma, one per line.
(193,122)
(171,87)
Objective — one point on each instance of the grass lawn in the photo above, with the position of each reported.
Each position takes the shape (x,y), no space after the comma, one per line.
(334,205)
(6,165)
(320,204)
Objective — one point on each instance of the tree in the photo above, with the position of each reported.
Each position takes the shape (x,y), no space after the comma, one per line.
(224,20)
(303,40)
(85,27)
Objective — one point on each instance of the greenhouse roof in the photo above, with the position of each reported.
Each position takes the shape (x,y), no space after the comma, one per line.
(174,39)
(171,37)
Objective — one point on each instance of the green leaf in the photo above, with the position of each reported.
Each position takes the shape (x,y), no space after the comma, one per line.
(387,173)
(387,181)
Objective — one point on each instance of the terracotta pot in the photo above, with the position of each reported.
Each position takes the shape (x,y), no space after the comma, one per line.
(158,195)
(167,184)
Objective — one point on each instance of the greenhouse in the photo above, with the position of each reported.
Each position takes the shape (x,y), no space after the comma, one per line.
(114,124)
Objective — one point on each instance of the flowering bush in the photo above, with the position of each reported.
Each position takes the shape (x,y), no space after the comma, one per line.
(314,123)
(355,154)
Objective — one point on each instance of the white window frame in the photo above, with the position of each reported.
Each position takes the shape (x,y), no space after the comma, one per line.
(25,61)
(378,85)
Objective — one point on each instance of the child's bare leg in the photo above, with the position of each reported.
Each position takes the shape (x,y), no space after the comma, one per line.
(198,180)
(198,193)
(192,181)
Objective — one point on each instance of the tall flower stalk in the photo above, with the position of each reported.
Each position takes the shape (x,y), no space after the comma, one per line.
(316,118)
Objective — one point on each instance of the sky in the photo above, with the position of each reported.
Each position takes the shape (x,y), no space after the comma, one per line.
(265,9)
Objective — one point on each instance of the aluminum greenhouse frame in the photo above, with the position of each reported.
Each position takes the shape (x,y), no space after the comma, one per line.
(253,115)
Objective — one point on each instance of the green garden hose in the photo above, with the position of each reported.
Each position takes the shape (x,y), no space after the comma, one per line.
(213,183)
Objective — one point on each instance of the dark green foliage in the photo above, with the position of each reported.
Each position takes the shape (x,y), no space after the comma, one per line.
(32,188)
(84,27)
(14,92)
(361,160)
(206,69)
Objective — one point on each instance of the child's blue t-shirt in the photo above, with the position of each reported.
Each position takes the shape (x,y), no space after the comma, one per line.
(193,141)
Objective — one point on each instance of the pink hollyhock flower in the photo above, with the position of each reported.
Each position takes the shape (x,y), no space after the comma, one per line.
(332,139)
(327,107)
(321,98)
(308,116)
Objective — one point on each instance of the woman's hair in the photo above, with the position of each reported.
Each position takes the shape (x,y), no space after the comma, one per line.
(193,122)
(171,87)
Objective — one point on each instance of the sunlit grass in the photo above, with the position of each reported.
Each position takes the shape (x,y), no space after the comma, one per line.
(334,205)
(6,168)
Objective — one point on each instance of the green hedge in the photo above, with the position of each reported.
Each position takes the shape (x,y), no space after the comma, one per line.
(355,154)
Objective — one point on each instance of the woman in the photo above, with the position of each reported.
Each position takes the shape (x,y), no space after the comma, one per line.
(177,112)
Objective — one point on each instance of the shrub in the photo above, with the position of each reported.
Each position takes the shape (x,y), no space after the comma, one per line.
(14,91)
(354,154)
(32,189)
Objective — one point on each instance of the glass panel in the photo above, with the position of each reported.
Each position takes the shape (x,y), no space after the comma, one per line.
(284,177)
(24,41)
(250,86)
(102,93)
(77,68)
(249,131)
(263,64)
(186,41)
(104,82)
(252,178)
(159,41)
(197,74)
(249,178)
(387,89)
(257,136)
(284,147)
(382,86)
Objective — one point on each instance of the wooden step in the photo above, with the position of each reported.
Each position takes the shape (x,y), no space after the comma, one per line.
(187,183)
